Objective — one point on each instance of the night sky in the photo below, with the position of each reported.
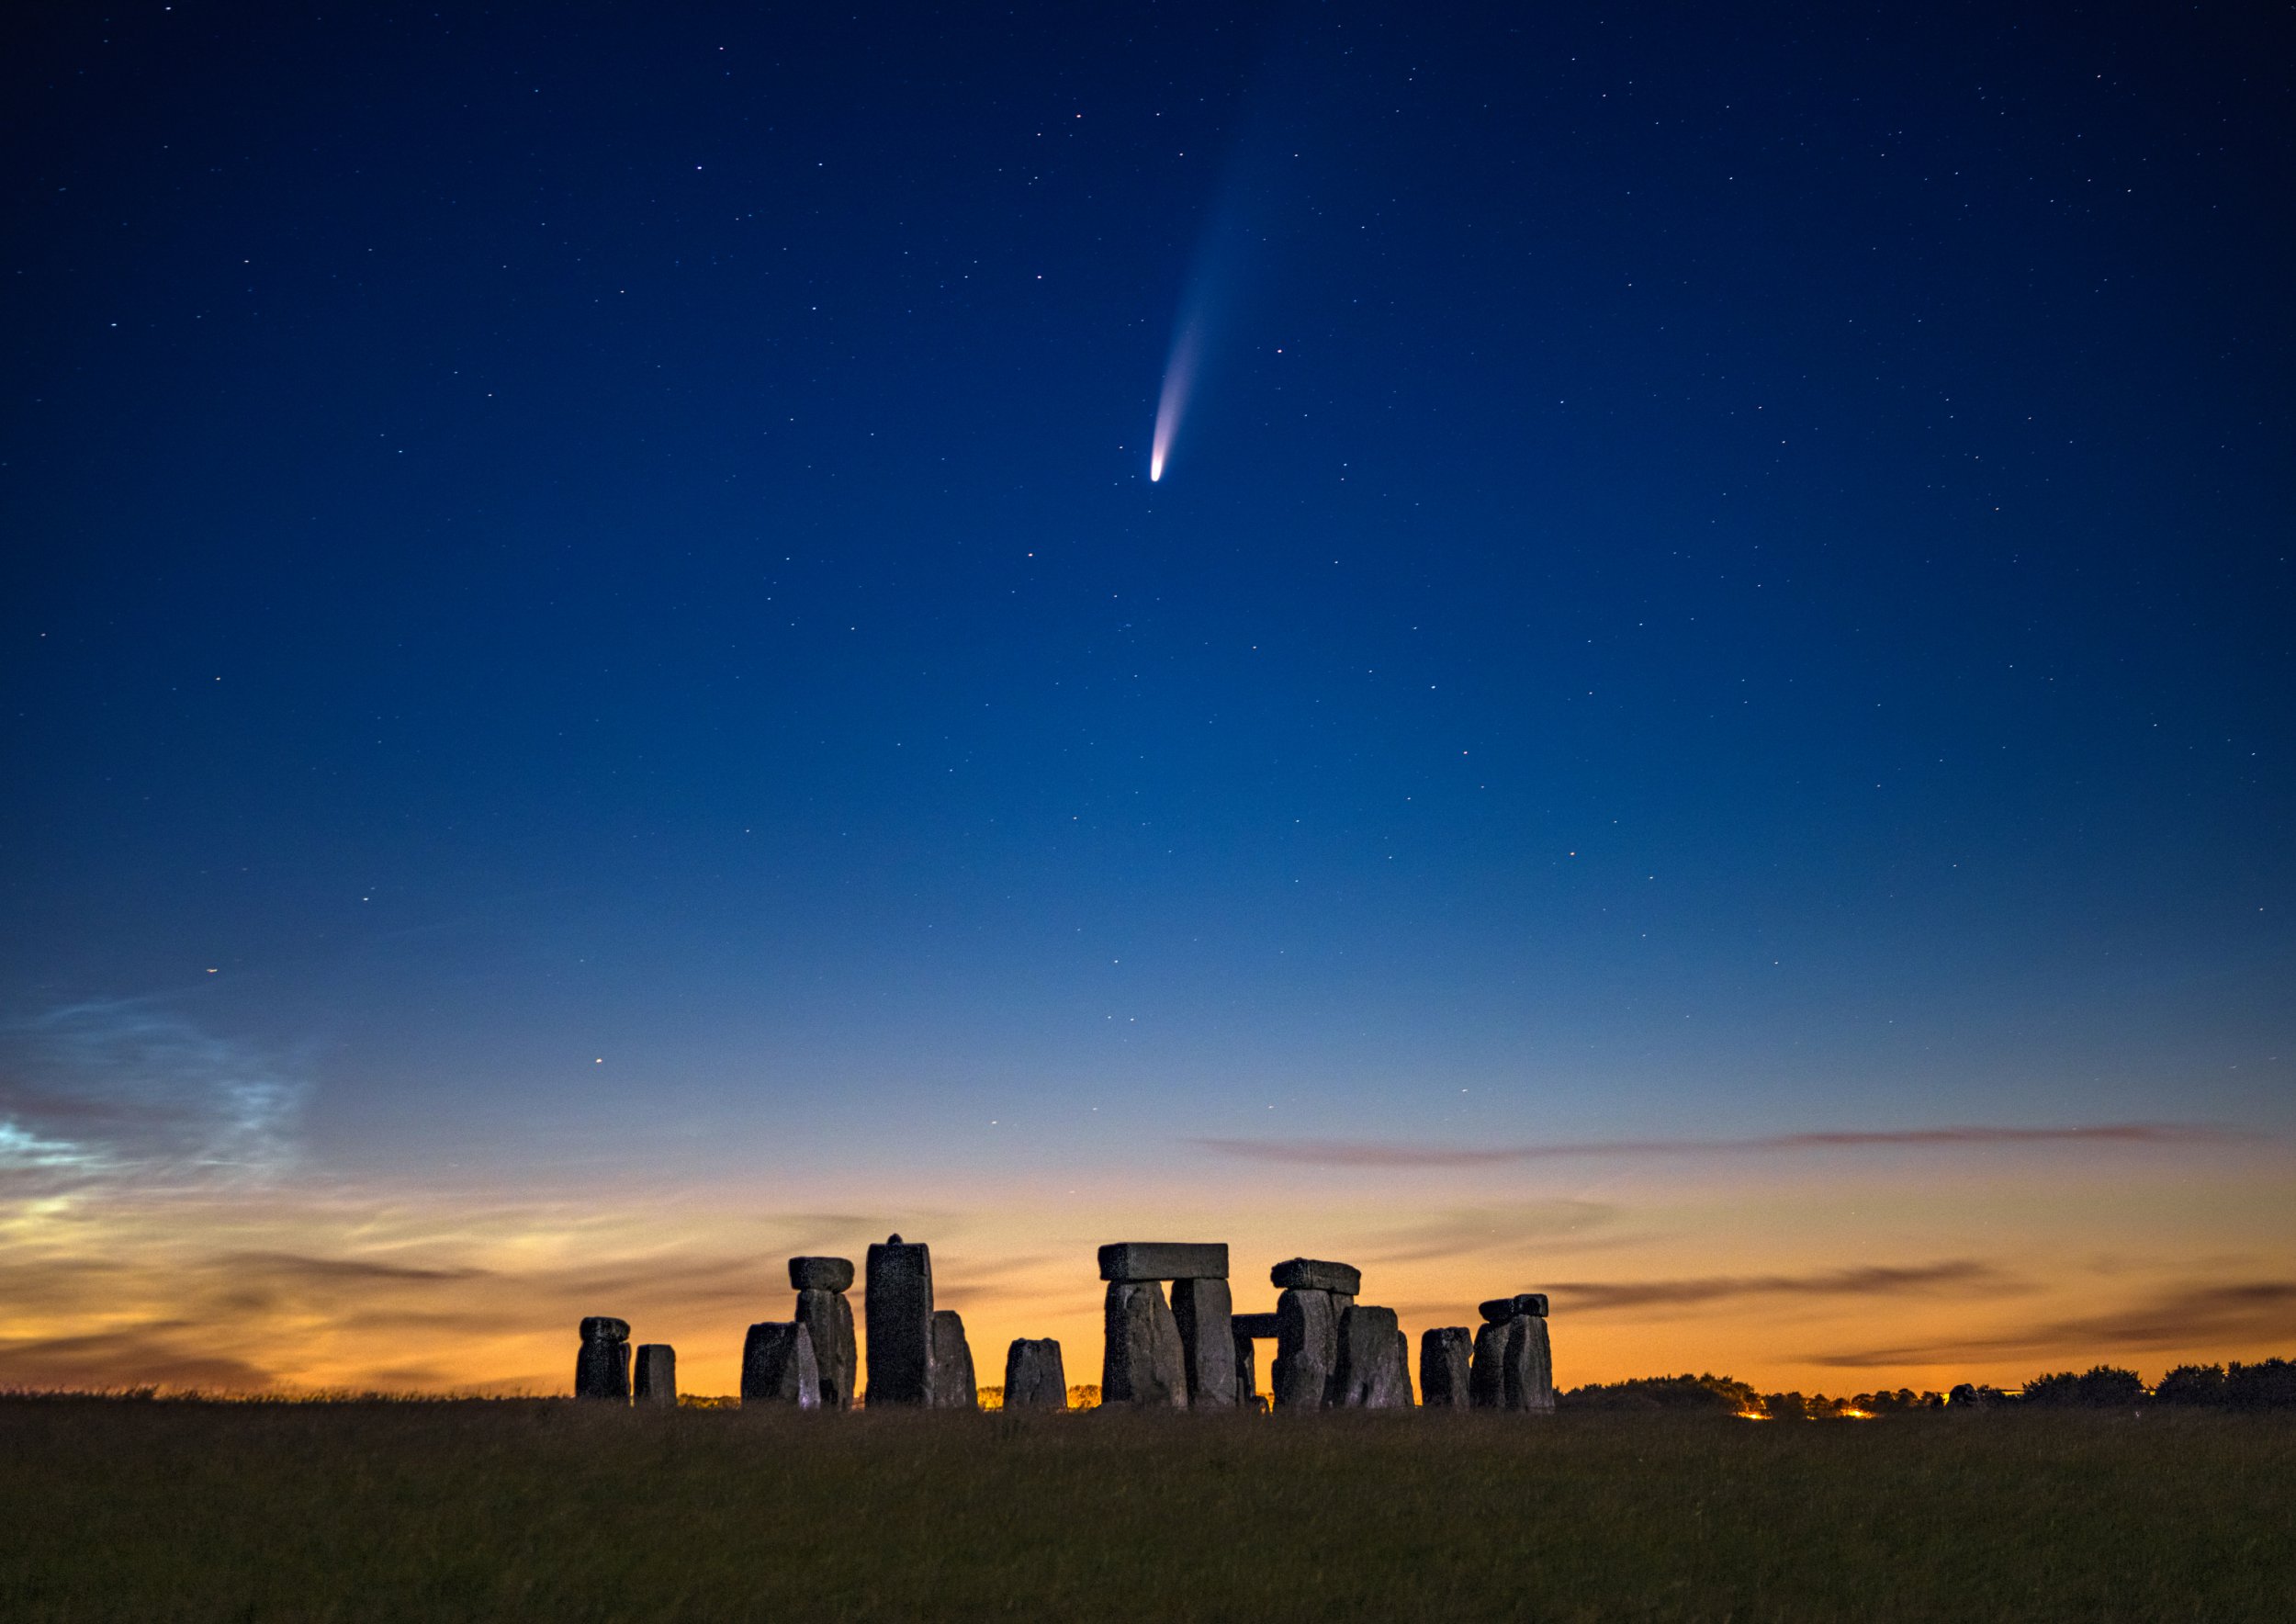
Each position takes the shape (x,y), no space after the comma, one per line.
(594,689)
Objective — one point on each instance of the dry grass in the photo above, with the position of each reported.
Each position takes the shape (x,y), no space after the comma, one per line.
(518,1509)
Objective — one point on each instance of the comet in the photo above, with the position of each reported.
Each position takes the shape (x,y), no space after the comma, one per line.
(1179,376)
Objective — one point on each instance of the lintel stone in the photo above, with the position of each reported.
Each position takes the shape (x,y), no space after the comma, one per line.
(1164,1261)
(1313,1274)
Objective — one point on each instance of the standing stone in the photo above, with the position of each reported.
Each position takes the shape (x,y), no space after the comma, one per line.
(1369,1374)
(820,1274)
(953,1387)
(777,1367)
(1530,1366)
(1164,1261)
(1306,1348)
(1201,1309)
(1034,1377)
(1487,1380)
(601,1370)
(828,1317)
(1312,1274)
(1247,1387)
(898,1310)
(1444,1357)
(1144,1363)
(656,1374)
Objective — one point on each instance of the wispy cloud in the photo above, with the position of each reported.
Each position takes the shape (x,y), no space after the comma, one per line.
(2260,1311)
(1873,1280)
(1361,1153)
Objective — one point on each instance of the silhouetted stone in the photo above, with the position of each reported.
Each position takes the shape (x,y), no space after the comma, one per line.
(953,1387)
(1371,1373)
(1500,1310)
(820,1274)
(1164,1261)
(1247,1390)
(1487,1378)
(1034,1376)
(601,1370)
(1530,1366)
(777,1366)
(657,1380)
(828,1317)
(1306,1348)
(1144,1363)
(1200,1308)
(1445,1356)
(1255,1324)
(1310,1274)
(899,1313)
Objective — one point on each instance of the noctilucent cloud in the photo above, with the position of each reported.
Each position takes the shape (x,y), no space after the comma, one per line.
(1644,656)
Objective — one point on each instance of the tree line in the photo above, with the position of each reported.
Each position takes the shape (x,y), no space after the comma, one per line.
(2269,1384)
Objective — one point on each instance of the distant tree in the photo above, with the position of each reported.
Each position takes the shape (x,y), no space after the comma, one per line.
(2267,1386)
(1716,1393)
(2192,1384)
(1786,1406)
(2059,1387)
(1970,1396)
(2110,1387)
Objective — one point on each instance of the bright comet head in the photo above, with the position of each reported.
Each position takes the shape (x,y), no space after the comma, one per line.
(1178,374)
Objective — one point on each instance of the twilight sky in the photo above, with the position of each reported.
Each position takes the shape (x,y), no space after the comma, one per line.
(594,691)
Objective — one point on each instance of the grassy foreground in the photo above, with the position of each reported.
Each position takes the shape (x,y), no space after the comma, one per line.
(409,1511)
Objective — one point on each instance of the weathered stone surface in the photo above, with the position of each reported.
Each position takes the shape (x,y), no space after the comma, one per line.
(1372,1372)
(953,1387)
(1445,1356)
(1034,1377)
(1144,1363)
(601,1370)
(657,1380)
(1500,1310)
(898,1310)
(1530,1366)
(1487,1378)
(1164,1261)
(1255,1324)
(1247,1387)
(820,1274)
(1201,1309)
(828,1317)
(777,1366)
(1306,1348)
(1310,1274)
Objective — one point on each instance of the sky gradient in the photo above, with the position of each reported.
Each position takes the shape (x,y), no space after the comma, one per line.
(597,692)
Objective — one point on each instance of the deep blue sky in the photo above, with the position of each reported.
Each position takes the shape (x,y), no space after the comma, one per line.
(583,581)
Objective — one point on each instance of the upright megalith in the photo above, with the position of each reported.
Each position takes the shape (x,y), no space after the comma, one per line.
(657,1380)
(827,1315)
(1445,1354)
(1034,1377)
(1204,1313)
(1370,1372)
(1144,1363)
(778,1367)
(601,1370)
(1247,1383)
(898,1312)
(954,1386)
(1514,1366)
(1306,1348)
(1485,1378)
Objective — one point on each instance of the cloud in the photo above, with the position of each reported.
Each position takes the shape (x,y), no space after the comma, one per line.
(162,1355)
(123,1091)
(1870,1279)
(2262,1313)
(1457,1230)
(1358,1153)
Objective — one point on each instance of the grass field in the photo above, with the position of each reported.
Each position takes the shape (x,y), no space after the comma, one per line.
(418,1511)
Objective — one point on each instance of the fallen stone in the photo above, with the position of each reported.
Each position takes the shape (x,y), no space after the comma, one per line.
(1254,1324)
(898,1310)
(1530,1366)
(953,1387)
(1247,1387)
(1200,1308)
(1306,1348)
(1500,1310)
(1371,1373)
(1309,1274)
(657,1380)
(820,1274)
(1034,1377)
(1445,1354)
(777,1366)
(1164,1261)
(828,1317)
(1144,1363)
(601,1370)
(1487,1377)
